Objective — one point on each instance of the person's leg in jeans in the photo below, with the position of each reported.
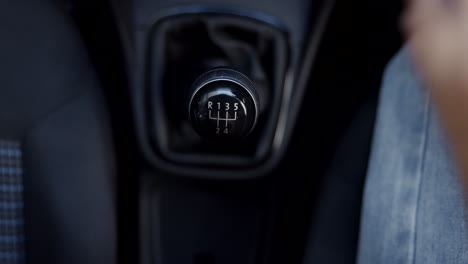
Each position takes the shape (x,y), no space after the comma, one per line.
(413,208)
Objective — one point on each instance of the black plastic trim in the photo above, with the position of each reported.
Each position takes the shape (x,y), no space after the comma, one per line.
(293,89)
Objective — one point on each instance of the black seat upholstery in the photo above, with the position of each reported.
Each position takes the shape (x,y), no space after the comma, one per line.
(54,116)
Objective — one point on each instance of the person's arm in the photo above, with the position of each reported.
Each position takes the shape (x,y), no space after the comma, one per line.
(437,33)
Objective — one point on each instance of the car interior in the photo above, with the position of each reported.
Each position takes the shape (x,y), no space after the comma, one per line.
(188,131)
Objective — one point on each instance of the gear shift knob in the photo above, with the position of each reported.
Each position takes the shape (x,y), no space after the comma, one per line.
(223,105)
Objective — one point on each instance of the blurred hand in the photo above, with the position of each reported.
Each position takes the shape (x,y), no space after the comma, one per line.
(437,33)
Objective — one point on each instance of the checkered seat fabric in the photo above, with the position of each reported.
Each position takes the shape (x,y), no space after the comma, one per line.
(11,203)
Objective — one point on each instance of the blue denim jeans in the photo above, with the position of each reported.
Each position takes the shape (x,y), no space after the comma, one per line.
(413,207)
